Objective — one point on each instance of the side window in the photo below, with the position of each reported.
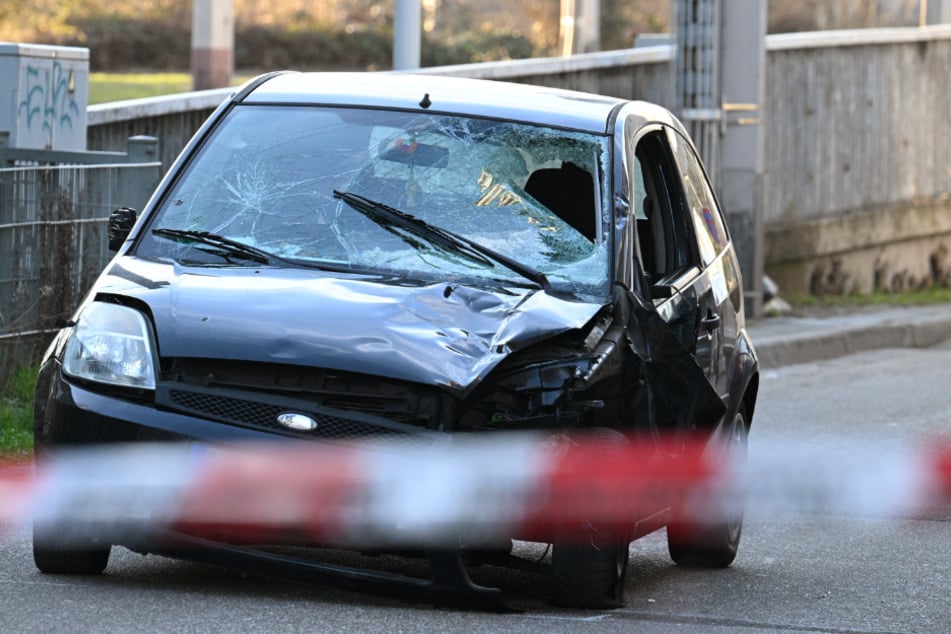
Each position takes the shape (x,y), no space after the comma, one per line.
(704,212)
(663,230)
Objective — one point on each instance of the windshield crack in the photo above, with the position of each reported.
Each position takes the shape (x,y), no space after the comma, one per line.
(444,238)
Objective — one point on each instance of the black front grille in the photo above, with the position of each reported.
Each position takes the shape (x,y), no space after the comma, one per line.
(262,411)
(227,409)
(420,406)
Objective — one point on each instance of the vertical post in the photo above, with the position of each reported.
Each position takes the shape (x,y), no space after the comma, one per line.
(742,88)
(406,35)
(142,149)
(588,23)
(580,27)
(137,186)
(212,44)
(566,28)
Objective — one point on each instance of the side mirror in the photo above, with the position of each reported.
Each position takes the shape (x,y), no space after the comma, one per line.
(121,222)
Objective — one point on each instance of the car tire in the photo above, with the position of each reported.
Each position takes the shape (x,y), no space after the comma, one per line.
(589,577)
(592,575)
(711,545)
(52,557)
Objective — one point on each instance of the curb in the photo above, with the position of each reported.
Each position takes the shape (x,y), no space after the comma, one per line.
(783,341)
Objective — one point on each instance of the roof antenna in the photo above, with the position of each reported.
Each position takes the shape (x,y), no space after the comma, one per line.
(425,103)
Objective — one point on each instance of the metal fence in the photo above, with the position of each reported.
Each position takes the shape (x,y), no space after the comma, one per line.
(696,78)
(53,242)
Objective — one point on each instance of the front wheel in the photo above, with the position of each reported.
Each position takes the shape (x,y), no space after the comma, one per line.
(591,575)
(712,545)
(53,556)
(588,576)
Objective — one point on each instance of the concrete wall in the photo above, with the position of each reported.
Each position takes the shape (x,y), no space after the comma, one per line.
(857,172)
(857,177)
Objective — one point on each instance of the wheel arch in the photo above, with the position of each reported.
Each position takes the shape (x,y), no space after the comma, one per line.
(744,385)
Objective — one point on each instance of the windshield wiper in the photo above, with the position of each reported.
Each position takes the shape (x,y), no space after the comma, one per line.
(230,247)
(444,238)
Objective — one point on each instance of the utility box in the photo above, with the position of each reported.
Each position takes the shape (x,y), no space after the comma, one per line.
(44,91)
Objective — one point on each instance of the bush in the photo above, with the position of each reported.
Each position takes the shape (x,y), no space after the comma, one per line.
(119,43)
(476,47)
(270,48)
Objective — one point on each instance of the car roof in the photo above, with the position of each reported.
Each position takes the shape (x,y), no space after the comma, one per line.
(452,95)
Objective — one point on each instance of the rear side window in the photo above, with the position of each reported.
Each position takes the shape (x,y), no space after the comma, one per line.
(705,214)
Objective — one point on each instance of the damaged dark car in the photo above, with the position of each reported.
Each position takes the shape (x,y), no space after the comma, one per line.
(350,257)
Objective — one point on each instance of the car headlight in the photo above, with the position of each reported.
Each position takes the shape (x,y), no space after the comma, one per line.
(111,344)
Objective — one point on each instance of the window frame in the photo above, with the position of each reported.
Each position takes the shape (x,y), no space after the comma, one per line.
(701,201)
(660,177)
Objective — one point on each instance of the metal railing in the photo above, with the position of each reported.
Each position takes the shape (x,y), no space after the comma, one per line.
(53,216)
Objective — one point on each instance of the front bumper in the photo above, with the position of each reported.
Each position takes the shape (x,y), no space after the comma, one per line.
(68,413)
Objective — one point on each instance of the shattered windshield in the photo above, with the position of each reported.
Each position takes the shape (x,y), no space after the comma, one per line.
(268,177)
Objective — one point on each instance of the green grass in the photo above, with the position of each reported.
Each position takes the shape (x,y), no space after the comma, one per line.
(934,295)
(16,413)
(107,87)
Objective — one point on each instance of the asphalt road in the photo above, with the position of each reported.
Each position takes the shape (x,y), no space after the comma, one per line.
(827,573)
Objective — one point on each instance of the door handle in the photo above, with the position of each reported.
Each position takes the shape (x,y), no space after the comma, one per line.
(711,321)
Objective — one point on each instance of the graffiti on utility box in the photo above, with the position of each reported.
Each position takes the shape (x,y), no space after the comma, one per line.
(49,100)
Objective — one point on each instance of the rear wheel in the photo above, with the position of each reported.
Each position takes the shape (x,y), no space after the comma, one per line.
(712,545)
(53,556)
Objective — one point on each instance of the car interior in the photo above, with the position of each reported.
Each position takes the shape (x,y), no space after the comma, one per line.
(660,217)
(569,192)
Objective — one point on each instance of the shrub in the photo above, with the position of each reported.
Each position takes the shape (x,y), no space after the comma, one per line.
(121,43)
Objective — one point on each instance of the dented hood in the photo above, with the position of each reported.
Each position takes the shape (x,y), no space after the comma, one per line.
(434,333)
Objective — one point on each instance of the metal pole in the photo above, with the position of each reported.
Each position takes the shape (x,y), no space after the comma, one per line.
(579,27)
(212,44)
(588,24)
(406,35)
(566,28)
(742,89)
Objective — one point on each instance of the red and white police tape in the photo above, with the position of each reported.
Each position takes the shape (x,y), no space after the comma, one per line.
(477,489)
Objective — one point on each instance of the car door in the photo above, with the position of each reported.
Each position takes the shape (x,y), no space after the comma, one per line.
(674,261)
(685,376)
(720,281)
